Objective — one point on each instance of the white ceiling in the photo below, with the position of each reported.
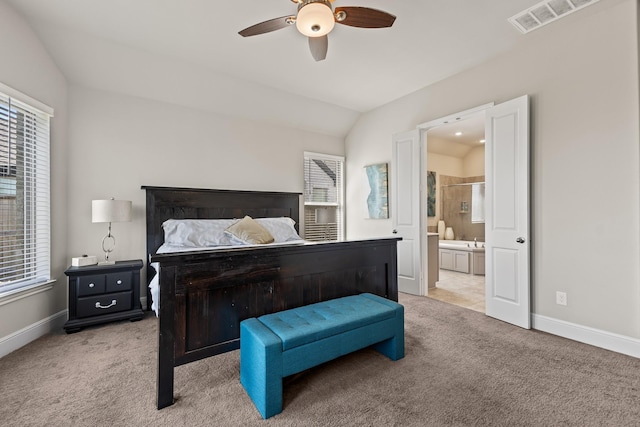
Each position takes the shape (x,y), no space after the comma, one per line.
(443,139)
(188,52)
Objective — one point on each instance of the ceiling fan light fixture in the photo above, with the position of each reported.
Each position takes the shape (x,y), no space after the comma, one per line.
(315,19)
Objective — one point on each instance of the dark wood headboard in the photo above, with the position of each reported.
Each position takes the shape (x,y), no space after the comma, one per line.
(165,203)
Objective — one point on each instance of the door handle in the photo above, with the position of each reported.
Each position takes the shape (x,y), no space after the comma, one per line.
(520,240)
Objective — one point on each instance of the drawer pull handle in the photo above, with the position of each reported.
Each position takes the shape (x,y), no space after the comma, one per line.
(119,282)
(91,285)
(113,302)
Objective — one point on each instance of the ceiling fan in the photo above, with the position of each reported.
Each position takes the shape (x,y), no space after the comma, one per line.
(316,18)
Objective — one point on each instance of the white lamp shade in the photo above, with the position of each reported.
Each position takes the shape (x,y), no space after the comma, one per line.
(110,210)
(315,20)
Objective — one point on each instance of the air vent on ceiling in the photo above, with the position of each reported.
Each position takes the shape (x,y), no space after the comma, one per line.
(545,12)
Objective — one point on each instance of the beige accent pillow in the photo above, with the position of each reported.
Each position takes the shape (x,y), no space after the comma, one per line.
(249,231)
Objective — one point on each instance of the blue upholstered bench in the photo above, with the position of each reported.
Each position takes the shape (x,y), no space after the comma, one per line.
(276,345)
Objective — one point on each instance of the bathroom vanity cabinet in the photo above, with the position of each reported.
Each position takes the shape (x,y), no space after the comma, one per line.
(462,261)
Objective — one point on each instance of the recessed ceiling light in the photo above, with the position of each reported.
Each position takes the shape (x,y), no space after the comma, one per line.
(458,133)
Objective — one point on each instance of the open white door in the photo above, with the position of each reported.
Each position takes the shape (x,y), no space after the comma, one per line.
(405,210)
(507,212)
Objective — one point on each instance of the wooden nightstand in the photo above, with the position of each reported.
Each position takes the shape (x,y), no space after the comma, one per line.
(103,293)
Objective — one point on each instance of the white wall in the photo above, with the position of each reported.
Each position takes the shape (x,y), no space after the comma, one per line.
(118,143)
(582,75)
(473,162)
(26,67)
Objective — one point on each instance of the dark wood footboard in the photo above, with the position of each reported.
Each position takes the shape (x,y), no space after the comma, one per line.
(204,296)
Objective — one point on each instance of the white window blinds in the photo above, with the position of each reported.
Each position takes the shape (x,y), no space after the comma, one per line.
(24,194)
(323,197)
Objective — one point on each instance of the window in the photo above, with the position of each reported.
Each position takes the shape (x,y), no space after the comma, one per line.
(323,197)
(477,202)
(24,191)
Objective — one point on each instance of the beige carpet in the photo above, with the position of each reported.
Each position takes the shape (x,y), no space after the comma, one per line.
(461,368)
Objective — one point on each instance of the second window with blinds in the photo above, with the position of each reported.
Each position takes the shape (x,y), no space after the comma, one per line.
(323,197)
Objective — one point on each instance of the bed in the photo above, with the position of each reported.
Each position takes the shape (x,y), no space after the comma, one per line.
(204,294)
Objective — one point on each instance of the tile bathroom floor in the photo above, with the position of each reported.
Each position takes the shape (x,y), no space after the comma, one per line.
(465,290)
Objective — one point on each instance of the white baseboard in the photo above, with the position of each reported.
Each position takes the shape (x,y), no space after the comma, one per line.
(32,332)
(598,338)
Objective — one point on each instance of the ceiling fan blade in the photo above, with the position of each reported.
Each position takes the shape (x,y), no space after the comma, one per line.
(364,17)
(267,26)
(318,47)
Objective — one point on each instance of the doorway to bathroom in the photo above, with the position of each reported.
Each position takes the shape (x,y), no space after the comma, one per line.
(455,205)
(507,227)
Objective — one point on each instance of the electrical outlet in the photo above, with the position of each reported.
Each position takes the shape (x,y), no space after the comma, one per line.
(561,298)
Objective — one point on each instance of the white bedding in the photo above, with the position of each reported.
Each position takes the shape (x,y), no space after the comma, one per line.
(154,285)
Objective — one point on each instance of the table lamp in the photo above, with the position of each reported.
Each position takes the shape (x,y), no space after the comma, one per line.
(110,210)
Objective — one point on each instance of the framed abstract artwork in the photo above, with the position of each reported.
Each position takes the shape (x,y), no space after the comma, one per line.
(431,193)
(378,199)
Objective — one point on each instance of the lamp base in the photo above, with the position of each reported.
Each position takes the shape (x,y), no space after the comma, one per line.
(106,262)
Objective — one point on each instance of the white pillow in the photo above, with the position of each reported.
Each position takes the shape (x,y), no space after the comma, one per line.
(282,229)
(210,232)
(197,232)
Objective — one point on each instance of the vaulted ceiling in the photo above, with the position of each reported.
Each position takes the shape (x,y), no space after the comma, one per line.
(188,52)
